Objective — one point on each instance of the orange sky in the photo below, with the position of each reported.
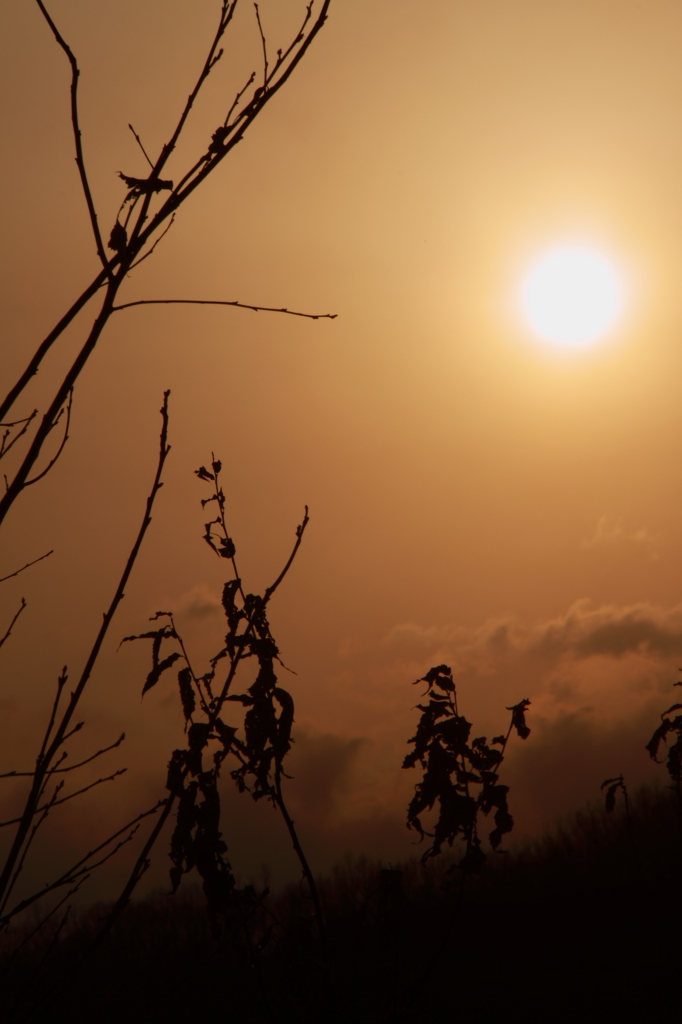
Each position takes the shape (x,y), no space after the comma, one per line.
(475,496)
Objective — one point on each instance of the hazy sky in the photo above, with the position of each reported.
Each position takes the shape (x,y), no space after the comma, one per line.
(477,496)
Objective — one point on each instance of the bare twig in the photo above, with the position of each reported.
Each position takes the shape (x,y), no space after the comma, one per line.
(300,530)
(28,565)
(65,438)
(72,767)
(265,48)
(139,142)
(147,254)
(64,799)
(218,302)
(8,632)
(61,683)
(4,447)
(144,228)
(27,846)
(81,868)
(75,74)
(45,761)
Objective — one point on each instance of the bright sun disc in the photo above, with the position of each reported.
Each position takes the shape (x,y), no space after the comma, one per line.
(572,296)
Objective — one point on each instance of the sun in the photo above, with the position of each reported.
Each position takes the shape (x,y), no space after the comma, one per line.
(571,296)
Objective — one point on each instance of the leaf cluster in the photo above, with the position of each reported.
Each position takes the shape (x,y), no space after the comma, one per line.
(460,775)
(257,755)
(668,726)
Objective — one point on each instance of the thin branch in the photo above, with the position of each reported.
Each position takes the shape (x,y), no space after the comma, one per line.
(26,419)
(27,566)
(45,346)
(82,867)
(43,769)
(27,846)
(70,796)
(51,463)
(70,768)
(139,142)
(141,236)
(226,13)
(8,633)
(218,302)
(150,251)
(75,74)
(265,48)
(234,133)
(141,865)
(300,530)
(61,683)
(61,396)
(236,102)
(5,448)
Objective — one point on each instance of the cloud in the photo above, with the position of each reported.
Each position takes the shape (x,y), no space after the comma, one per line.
(198,603)
(649,633)
(611,531)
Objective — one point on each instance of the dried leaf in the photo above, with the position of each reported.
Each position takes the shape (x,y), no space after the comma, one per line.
(118,238)
(186,692)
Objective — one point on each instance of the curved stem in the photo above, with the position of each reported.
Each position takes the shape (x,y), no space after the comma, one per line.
(80,161)
(221,302)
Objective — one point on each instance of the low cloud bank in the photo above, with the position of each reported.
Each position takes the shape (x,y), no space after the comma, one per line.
(598,679)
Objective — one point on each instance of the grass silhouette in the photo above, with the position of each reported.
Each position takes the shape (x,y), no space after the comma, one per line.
(564,928)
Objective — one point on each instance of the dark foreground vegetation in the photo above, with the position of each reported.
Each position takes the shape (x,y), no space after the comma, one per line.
(584,924)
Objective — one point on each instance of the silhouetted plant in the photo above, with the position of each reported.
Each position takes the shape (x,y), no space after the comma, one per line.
(461,776)
(673,762)
(257,757)
(615,784)
(612,786)
(146,213)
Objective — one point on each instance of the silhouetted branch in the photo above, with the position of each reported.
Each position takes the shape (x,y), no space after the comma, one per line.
(61,683)
(72,767)
(150,251)
(218,302)
(27,566)
(300,530)
(48,753)
(4,447)
(81,869)
(265,48)
(65,799)
(128,246)
(27,483)
(139,142)
(8,632)
(75,74)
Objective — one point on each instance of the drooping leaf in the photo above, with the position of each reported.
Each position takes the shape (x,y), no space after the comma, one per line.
(519,718)
(158,670)
(118,239)
(658,737)
(186,692)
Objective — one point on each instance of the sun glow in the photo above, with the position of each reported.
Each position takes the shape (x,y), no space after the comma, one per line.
(572,296)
